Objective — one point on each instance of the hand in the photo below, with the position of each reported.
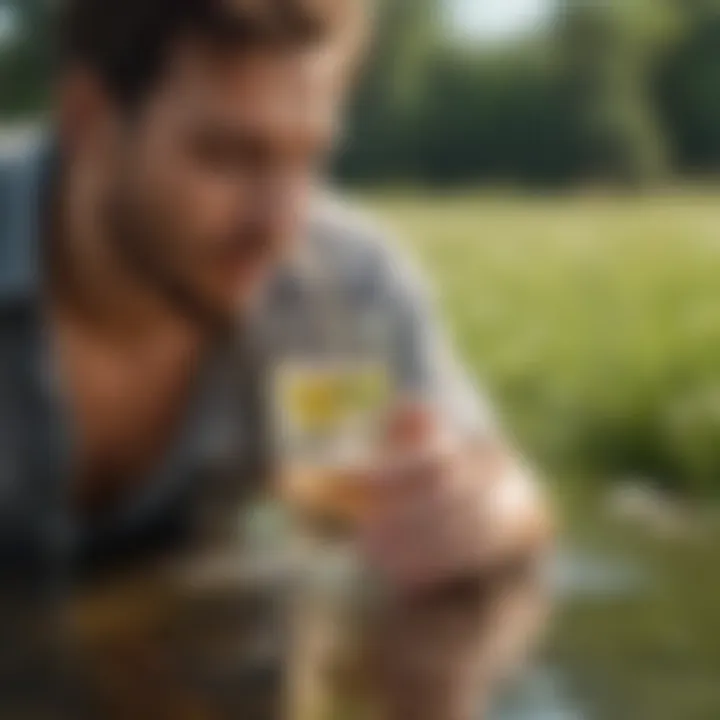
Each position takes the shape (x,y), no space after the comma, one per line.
(443,510)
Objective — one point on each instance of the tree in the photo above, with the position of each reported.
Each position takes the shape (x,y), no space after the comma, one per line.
(382,138)
(611,52)
(689,88)
(26,58)
(494,116)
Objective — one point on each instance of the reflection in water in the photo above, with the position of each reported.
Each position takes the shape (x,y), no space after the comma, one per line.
(577,575)
(543,694)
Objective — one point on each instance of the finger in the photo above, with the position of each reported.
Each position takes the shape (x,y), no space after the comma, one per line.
(411,472)
(412,423)
(430,544)
(417,526)
(413,502)
(398,529)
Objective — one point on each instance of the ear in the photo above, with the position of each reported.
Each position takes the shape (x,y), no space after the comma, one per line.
(87,117)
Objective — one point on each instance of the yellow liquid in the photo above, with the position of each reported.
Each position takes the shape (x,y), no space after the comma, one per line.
(329,417)
(321,402)
(334,495)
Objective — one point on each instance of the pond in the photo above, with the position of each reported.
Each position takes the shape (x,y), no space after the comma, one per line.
(545,692)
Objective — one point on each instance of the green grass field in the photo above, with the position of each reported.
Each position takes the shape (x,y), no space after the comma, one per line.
(595,324)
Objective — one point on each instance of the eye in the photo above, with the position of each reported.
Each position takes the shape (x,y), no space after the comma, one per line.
(227,154)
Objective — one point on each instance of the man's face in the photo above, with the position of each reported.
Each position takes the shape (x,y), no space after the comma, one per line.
(206,186)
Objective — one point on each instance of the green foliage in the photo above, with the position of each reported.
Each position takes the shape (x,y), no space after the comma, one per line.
(609,52)
(620,91)
(495,118)
(383,142)
(26,59)
(688,82)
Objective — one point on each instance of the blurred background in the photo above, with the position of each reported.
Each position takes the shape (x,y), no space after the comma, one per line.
(555,165)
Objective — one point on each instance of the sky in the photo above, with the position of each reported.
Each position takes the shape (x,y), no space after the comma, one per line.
(496,20)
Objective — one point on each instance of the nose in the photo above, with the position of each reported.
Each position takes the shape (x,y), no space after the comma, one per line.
(275,203)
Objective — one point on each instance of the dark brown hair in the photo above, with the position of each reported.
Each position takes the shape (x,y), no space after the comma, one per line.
(127,42)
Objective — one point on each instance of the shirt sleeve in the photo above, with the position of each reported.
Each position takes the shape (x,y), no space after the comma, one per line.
(376,275)
(425,362)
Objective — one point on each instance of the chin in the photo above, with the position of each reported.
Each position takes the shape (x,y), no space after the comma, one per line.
(232,304)
(220,299)
(225,310)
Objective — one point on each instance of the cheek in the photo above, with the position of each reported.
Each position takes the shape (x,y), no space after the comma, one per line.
(195,200)
(211,199)
(298,205)
(197,207)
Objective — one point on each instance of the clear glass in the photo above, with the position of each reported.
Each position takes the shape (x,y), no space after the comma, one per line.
(330,400)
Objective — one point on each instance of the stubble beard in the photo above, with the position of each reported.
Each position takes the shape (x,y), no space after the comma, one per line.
(144,251)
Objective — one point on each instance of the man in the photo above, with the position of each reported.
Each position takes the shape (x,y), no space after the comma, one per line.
(174,208)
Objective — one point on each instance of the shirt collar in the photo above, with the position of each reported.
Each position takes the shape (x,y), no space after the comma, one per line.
(28,179)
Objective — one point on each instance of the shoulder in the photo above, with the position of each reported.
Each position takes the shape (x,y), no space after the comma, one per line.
(340,230)
(350,262)
(18,149)
(12,163)
(356,247)
(21,154)
(22,162)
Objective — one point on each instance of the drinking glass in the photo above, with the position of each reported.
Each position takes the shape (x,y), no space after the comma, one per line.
(331,394)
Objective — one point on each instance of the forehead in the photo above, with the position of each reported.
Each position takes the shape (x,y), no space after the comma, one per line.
(260,89)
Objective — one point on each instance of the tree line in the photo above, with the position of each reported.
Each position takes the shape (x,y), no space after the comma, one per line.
(618,91)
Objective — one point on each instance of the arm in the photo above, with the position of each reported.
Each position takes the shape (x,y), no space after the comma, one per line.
(441,652)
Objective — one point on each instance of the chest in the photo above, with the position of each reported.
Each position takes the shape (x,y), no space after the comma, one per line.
(198,651)
(126,407)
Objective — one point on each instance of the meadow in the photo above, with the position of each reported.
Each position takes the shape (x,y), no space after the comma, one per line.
(594,323)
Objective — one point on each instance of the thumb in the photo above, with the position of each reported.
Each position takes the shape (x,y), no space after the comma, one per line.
(410,425)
